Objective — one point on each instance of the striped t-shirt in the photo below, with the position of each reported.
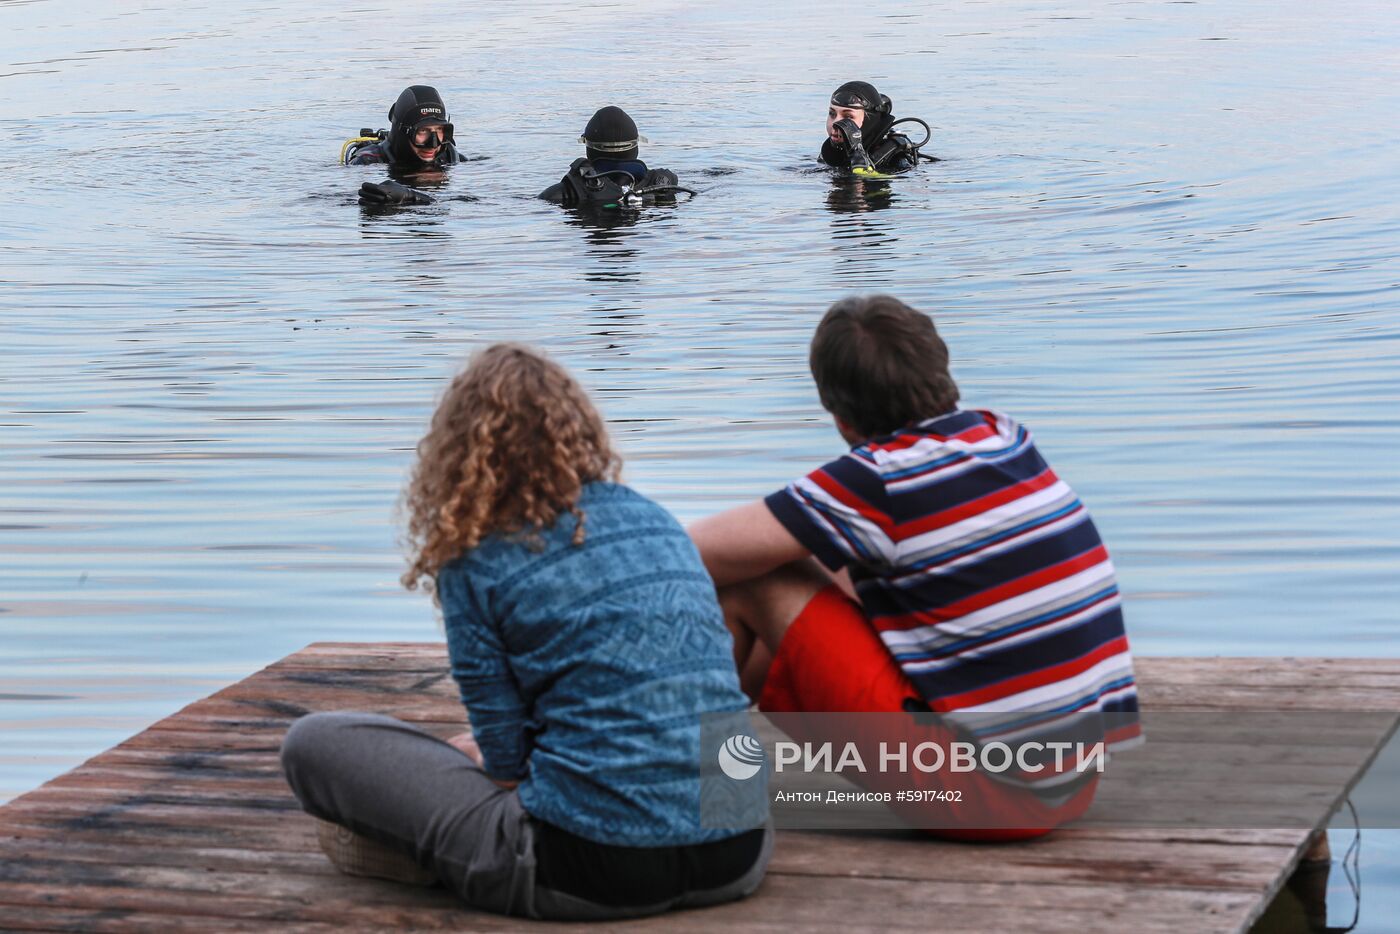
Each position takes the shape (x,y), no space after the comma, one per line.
(979,567)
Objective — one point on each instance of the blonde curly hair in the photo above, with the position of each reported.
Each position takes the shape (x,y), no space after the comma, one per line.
(510,448)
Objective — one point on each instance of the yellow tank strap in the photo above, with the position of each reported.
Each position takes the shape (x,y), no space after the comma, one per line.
(350,142)
(863,172)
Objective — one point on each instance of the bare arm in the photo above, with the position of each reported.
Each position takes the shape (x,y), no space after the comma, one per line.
(745,542)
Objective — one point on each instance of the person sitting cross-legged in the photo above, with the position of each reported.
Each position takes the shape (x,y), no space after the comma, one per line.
(954,571)
(587,644)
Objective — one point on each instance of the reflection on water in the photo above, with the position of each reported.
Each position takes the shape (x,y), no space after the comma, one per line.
(853,195)
(865,242)
(1174,259)
(611,254)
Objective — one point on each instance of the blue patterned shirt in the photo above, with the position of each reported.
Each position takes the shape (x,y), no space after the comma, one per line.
(585,669)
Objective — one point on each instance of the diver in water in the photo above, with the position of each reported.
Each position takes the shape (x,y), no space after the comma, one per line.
(611,174)
(860,133)
(418,141)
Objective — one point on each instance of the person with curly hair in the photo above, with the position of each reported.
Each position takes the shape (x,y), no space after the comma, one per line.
(586,641)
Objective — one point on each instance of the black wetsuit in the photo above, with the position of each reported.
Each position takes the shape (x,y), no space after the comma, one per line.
(380,154)
(893,153)
(888,151)
(601,181)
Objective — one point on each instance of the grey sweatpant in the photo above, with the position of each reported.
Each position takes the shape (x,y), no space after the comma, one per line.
(399,786)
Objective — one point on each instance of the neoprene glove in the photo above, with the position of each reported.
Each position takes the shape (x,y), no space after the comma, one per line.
(656,178)
(389,192)
(855,145)
(849,132)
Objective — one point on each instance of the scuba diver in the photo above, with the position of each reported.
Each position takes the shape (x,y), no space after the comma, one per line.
(611,173)
(418,141)
(860,133)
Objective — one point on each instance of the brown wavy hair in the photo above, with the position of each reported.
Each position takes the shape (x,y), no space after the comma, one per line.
(880,365)
(510,448)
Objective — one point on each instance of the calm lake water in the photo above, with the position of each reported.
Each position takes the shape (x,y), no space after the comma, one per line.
(1163,234)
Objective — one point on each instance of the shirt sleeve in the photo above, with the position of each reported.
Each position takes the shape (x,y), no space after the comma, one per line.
(499,714)
(838,513)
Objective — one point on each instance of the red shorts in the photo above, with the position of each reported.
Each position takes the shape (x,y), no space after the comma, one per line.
(832,660)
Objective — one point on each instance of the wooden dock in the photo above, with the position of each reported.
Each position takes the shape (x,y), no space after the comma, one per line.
(190,826)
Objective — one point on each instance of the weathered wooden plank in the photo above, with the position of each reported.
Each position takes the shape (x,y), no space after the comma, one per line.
(132,798)
(299,858)
(157,831)
(1235,727)
(139,824)
(171,739)
(392,689)
(179,822)
(403,648)
(1210,806)
(285,707)
(905,856)
(332,902)
(1235,684)
(403,656)
(126,921)
(270,896)
(407,650)
(1080,857)
(414,649)
(821,903)
(387,680)
(245,717)
(1278,670)
(1226,697)
(1045,861)
(1241,770)
(1271,674)
(1121,794)
(1187,836)
(196,763)
(1162,858)
(140,808)
(101,785)
(1213,760)
(798,900)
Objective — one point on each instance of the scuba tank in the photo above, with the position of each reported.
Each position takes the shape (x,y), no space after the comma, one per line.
(894,146)
(613,189)
(584,185)
(355,145)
